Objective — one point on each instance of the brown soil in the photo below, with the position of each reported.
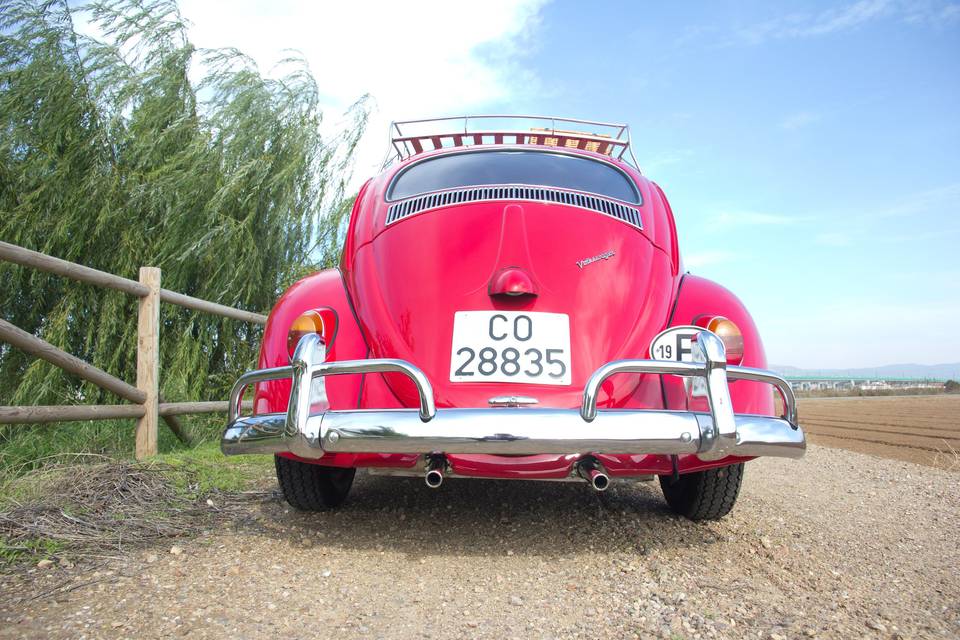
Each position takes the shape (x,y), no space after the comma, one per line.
(921,429)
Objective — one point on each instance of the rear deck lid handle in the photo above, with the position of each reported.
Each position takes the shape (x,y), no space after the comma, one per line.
(512,281)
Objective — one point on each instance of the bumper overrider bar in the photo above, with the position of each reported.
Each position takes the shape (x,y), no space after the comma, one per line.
(514,430)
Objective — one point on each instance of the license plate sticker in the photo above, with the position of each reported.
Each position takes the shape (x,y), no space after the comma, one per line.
(526,347)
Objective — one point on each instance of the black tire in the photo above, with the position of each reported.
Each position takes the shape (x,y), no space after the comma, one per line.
(313,487)
(704,495)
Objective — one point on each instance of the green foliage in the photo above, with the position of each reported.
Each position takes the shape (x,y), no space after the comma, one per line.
(204,470)
(951,386)
(25,448)
(11,552)
(113,156)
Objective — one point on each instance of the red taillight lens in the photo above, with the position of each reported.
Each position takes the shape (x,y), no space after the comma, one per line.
(309,322)
(729,333)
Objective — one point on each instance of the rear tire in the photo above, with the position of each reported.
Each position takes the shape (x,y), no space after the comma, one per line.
(313,487)
(704,495)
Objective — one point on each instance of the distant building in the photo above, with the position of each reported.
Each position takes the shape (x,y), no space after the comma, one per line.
(813,383)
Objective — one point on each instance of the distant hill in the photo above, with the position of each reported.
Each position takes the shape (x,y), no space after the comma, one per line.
(932,371)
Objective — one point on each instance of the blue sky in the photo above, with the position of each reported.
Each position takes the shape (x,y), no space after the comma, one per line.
(810,150)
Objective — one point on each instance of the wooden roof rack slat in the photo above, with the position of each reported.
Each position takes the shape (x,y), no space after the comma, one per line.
(605,138)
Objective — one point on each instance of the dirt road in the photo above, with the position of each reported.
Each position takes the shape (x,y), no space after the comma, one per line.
(838,545)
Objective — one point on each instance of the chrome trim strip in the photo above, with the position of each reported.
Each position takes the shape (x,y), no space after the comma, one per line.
(551,195)
(511,401)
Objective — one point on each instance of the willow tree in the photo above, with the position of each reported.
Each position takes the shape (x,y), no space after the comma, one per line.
(133,148)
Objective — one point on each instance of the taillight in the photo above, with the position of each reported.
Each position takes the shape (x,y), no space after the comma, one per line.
(322,322)
(728,332)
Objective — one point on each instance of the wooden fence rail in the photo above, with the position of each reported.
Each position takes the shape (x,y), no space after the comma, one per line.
(31,344)
(43,262)
(148,407)
(37,414)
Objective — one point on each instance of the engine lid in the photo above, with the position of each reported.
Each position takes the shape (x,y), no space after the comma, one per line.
(408,284)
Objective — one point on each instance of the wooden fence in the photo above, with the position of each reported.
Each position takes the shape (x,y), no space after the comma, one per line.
(148,407)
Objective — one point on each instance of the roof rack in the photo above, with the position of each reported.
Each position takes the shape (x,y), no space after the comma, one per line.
(413,137)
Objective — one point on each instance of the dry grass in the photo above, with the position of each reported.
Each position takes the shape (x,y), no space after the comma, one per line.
(947,458)
(92,504)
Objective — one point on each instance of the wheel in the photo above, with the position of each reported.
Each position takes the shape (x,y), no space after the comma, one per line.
(313,487)
(704,495)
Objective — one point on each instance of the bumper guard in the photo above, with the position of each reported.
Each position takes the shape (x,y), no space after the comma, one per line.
(515,430)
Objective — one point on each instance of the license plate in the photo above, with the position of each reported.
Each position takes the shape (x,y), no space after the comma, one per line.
(510,346)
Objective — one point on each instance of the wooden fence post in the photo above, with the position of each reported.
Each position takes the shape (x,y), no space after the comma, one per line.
(148,362)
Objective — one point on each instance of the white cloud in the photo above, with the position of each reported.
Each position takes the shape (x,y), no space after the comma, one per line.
(795,25)
(416,59)
(846,18)
(932,11)
(799,120)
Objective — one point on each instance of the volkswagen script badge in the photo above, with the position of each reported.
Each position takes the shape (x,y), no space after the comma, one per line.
(606,255)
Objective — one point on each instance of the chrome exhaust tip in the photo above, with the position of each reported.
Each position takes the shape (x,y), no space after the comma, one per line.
(436,463)
(592,472)
(434,478)
(599,480)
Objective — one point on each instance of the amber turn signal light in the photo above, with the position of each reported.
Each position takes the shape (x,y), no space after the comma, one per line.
(730,334)
(309,322)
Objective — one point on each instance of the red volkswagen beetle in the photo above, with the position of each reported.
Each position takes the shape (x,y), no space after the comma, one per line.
(511,303)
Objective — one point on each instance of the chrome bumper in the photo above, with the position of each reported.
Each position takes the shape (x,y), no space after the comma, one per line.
(515,430)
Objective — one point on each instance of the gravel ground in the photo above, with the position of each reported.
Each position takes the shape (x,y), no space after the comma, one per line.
(837,545)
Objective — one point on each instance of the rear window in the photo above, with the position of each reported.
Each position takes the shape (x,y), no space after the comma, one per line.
(537,168)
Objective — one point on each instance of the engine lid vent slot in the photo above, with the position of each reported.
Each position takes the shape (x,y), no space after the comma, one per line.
(419,204)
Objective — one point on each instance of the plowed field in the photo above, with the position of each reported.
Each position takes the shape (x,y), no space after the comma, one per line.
(921,429)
